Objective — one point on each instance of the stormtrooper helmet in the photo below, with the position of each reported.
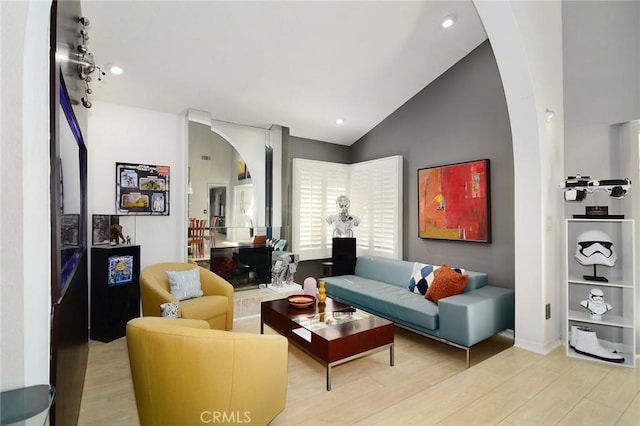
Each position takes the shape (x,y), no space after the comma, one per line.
(596,295)
(595,248)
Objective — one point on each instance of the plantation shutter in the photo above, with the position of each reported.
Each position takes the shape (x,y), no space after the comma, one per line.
(316,185)
(374,189)
(361,206)
(337,180)
(377,187)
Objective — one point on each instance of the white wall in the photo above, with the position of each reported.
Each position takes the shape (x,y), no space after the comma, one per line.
(250,143)
(602,89)
(217,170)
(119,133)
(530,64)
(25,286)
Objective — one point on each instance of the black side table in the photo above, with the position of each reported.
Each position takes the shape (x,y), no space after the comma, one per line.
(327,268)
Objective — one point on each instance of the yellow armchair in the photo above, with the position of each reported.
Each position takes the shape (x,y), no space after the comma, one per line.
(215,306)
(186,374)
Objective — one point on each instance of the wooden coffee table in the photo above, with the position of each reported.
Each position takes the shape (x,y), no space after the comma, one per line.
(333,333)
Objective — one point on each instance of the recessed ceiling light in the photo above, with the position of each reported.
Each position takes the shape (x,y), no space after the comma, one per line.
(114,69)
(448,21)
(339,121)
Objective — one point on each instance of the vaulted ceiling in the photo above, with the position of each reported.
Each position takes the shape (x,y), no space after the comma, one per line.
(300,64)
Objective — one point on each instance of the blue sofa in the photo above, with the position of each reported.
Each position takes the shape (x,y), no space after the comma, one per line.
(380,286)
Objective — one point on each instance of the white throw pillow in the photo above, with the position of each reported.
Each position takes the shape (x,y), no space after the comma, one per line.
(185,284)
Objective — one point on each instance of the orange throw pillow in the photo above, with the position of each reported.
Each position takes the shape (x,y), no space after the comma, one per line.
(446,282)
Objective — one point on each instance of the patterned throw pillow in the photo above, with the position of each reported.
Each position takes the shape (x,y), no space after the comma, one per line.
(421,277)
(185,284)
(447,282)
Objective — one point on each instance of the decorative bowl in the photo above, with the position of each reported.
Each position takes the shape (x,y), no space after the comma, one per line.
(301,300)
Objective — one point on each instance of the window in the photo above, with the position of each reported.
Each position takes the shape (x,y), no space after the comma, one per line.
(375,190)
(316,184)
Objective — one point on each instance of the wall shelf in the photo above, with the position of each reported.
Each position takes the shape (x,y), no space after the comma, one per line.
(616,330)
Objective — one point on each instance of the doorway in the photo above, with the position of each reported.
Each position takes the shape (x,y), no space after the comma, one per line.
(217,209)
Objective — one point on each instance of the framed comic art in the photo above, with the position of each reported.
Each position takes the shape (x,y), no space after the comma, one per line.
(142,189)
(454,202)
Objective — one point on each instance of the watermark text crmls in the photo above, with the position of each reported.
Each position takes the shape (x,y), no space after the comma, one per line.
(224,417)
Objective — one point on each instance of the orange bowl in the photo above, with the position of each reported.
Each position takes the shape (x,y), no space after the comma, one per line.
(301,300)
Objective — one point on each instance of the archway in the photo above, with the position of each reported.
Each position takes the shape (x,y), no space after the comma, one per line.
(529,83)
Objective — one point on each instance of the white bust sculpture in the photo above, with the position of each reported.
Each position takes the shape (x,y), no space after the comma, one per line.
(343,222)
(596,304)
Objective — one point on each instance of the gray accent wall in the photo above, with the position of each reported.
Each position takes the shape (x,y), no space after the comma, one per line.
(459,117)
(309,149)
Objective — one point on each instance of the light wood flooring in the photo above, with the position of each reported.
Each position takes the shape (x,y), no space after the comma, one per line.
(428,385)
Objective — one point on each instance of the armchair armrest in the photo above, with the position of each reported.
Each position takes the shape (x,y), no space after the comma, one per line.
(175,322)
(260,383)
(469,318)
(202,372)
(152,296)
(213,284)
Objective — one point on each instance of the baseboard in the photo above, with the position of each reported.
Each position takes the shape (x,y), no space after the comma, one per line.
(543,349)
(508,334)
(246,317)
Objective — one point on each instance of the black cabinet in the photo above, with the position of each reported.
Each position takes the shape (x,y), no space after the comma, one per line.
(343,256)
(242,266)
(115,290)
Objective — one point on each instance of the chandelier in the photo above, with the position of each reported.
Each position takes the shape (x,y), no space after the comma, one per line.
(86,63)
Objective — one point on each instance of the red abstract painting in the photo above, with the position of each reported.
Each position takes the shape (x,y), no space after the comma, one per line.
(453,202)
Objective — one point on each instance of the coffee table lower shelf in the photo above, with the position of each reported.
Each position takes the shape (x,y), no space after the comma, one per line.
(332,345)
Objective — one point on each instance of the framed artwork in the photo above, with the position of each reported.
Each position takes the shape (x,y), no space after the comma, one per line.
(454,202)
(100,224)
(100,229)
(142,189)
(70,229)
(120,270)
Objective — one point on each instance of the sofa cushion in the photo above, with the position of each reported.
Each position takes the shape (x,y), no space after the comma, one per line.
(447,282)
(185,284)
(389,301)
(390,271)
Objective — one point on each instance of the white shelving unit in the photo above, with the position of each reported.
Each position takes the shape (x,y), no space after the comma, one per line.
(616,330)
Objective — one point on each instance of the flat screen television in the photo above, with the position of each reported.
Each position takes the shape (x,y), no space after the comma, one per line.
(70,173)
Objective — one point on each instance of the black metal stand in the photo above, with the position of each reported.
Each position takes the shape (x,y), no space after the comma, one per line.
(595,277)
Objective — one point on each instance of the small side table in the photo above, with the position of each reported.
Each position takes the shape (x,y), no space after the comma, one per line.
(327,268)
(26,406)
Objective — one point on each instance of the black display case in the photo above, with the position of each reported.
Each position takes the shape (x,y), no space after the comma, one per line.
(115,290)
